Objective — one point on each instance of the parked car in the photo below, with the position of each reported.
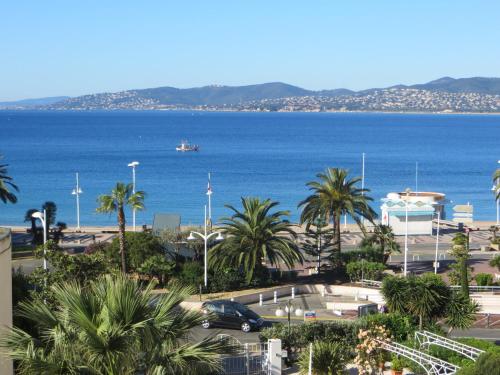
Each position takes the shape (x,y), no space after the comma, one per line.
(229,314)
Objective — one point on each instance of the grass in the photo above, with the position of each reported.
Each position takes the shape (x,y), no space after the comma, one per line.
(24,248)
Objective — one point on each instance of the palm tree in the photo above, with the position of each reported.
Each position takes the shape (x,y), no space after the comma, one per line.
(112,326)
(335,195)
(254,235)
(496,181)
(122,195)
(28,218)
(383,238)
(6,183)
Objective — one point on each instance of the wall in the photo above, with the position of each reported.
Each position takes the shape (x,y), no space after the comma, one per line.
(5,292)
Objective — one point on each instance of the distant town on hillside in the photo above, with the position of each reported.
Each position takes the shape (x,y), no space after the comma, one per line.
(477,94)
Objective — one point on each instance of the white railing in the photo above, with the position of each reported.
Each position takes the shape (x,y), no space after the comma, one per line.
(372,283)
(480,289)
(431,365)
(426,339)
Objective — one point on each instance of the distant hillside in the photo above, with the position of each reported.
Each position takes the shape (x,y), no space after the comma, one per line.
(478,85)
(33,102)
(259,96)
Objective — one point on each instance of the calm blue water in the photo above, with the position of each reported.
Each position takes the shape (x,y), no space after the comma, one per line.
(267,155)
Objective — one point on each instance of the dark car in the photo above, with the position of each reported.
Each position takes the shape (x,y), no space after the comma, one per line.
(229,314)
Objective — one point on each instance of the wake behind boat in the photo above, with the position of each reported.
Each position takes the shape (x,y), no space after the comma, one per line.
(185,147)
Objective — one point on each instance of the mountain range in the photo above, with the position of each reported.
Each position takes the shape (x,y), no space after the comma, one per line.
(233,96)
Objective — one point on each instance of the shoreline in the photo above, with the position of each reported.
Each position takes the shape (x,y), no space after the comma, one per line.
(247,111)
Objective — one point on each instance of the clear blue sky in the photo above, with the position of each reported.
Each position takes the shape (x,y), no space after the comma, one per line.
(61,47)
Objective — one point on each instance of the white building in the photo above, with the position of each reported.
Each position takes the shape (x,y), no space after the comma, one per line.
(421,208)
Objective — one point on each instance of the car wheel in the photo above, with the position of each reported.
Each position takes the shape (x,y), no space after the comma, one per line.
(205,324)
(245,327)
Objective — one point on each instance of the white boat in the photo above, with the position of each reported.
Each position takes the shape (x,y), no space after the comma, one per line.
(185,147)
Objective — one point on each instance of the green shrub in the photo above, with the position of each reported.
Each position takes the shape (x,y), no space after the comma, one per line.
(396,364)
(487,363)
(328,358)
(401,327)
(368,254)
(157,266)
(367,270)
(139,247)
(226,280)
(192,274)
(484,279)
(295,339)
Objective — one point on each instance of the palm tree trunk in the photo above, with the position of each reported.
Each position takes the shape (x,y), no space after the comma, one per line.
(121,237)
(336,219)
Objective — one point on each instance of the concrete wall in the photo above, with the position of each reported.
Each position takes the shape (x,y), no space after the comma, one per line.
(5,292)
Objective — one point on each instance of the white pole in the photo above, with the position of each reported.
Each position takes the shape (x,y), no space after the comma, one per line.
(406,234)
(77,202)
(416,177)
(363,174)
(437,243)
(345,222)
(309,372)
(44,225)
(209,193)
(133,191)
(205,239)
(362,181)
(498,211)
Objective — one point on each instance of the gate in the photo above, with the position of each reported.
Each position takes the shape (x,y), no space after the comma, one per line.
(249,359)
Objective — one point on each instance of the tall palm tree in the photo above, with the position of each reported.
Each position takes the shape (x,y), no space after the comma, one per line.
(7,185)
(112,326)
(335,195)
(254,235)
(122,195)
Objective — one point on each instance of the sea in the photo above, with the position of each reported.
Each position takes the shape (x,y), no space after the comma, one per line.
(266,155)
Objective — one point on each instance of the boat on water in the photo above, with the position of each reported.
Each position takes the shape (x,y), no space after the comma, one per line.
(185,147)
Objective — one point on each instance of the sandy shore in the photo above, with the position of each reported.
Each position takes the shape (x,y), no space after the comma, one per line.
(482,225)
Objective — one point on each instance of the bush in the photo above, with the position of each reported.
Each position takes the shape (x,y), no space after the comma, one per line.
(328,358)
(295,339)
(367,270)
(192,274)
(369,254)
(139,247)
(226,280)
(158,267)
(484,279)
(400,327)
(487,363)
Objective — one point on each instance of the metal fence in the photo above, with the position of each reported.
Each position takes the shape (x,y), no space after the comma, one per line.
(250,359)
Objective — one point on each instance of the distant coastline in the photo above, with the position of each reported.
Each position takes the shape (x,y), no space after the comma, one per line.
(246,111)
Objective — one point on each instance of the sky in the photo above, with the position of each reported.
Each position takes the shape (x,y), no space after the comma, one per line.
(61,47)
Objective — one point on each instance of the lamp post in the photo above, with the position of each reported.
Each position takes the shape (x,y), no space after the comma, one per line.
(437,241)
(209,195)
(41,216)
(133,165)
(205,236)
(76,192)
(405,267)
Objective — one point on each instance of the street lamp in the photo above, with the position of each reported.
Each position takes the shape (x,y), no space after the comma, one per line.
(205,237)
(133,165)
(437,239)
(405,268)
(76,192)
(41,216)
